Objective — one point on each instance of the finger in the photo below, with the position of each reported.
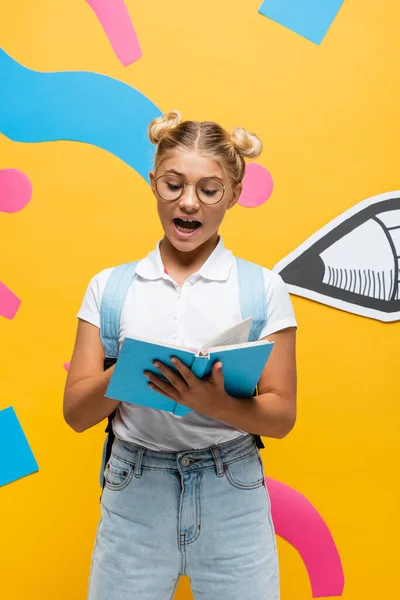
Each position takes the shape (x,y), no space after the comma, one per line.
(217,374)
(160,383)
(174,378)
(161,392)
(187,375)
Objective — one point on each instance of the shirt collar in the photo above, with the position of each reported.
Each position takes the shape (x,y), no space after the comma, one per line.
(218,265)
(216,268)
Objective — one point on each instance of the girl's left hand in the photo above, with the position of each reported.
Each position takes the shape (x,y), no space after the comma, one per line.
(206,396)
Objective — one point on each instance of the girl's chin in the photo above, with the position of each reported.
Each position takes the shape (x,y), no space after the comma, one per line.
(189,243)
(183,241)
(185,244)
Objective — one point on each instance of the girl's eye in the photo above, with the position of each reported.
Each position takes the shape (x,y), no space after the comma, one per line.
(211,188)
(174,187)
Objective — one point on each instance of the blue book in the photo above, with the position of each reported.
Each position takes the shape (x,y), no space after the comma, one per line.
(243,363)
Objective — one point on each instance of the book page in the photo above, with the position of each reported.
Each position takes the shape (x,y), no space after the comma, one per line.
(238,334)
(164,344)
(216,349)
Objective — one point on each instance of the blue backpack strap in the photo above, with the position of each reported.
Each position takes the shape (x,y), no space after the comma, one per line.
(253,300)
(111,306)
(252,296)
(110,318)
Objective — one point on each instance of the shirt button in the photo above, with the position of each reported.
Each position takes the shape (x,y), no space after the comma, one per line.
(174,336)
(185,462)
(176,317)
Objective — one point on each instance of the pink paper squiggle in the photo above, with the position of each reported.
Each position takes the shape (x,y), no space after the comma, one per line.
(298,522)
(9,303)
(118,27)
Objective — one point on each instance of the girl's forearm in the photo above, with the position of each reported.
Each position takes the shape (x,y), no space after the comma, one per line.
(268,414)
(85,403)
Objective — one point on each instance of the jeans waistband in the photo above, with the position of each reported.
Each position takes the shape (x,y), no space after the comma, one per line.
(187,460)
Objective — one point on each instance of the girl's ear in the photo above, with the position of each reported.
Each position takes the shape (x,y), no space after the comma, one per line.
(152,182)
(236,191)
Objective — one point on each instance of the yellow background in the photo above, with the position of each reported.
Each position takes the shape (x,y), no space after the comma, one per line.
(328,116)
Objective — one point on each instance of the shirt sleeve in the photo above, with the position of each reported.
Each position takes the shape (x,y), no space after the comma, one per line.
(90,307)
(280,313)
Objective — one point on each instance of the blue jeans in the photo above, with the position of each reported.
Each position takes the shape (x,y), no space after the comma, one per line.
(203,513)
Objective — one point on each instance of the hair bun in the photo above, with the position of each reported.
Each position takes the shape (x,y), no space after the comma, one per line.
(247,144)
(159,127)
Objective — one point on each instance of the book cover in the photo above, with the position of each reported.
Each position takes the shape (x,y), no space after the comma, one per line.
(243,364)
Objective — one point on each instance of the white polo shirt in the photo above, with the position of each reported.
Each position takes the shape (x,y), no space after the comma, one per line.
(157,309)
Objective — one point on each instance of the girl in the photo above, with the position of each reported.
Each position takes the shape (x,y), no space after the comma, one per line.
(186,495)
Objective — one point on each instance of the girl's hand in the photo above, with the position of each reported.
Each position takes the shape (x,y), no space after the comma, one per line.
(204,396)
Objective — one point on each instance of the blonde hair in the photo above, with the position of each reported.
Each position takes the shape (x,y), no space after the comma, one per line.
(209,139)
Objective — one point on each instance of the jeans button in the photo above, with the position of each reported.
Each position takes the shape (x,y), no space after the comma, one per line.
(185,462)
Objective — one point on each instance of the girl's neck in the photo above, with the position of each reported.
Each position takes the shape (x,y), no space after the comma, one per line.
(181,265)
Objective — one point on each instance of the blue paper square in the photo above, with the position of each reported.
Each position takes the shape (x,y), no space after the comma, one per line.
(16,458)
(309,18)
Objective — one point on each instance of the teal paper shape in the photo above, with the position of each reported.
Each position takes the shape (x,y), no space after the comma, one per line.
(16,457)
(309,18)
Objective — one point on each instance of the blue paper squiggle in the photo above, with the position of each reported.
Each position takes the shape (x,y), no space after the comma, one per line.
(309,18)
(77,106)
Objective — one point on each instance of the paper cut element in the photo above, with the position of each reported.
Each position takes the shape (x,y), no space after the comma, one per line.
(353,262)
(257,186)
(66,365)
(15,190)
(77,106)
(9,303)
(16,458)
(309,18)
(298,522)
(116,22)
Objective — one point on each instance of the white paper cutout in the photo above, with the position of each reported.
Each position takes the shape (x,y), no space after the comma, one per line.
(352,263)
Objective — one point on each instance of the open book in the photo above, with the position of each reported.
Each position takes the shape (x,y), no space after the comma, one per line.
(242,365)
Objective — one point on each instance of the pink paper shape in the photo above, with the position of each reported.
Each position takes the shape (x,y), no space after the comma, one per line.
(257,186)
(9,303)
(66,366)
(298,522)
(15,190)
(116,22)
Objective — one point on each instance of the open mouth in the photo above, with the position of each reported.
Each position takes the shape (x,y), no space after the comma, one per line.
(186,227)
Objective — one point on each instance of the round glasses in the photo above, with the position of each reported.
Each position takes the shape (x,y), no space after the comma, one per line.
(172,187)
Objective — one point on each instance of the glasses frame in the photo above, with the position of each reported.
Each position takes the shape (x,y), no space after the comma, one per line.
(185,183)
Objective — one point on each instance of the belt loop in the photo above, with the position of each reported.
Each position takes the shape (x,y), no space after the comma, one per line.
(218,461)
(138,462)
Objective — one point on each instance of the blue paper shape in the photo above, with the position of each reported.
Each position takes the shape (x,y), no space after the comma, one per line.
(16,458)
(309,18)
(77,106)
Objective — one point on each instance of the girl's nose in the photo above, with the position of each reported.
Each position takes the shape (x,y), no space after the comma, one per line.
(189,197)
